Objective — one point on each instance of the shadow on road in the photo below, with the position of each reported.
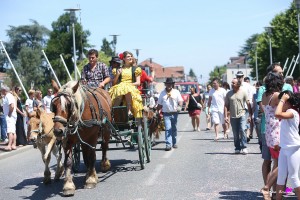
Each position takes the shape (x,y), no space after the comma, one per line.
(237,195)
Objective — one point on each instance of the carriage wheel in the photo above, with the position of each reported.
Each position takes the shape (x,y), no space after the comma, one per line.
(147,139)
(76,157)
(141,147)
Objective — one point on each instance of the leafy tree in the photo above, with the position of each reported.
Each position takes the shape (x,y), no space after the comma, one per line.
(248,44)
(217,72)
(106,47)
(102,57)
(61,42)
(284,43)
(192,73)
(24,47)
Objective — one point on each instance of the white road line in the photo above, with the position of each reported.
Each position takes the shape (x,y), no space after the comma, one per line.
(169,153)
(157,171)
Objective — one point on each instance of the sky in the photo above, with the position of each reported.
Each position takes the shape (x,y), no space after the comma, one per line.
(195,34)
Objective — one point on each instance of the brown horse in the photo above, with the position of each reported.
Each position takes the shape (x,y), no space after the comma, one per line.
(80,116)
(42,135)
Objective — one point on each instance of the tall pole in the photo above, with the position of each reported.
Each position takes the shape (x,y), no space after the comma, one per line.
(269,32)
(137,52)
(297,3)
(270,46)
(73,21)
(297,59)
(246,54)
(13,67)
(288,70)
(51,68)
(256,66)
(286,62)
(298,31)
(62,59)
(74,51)
(114,42)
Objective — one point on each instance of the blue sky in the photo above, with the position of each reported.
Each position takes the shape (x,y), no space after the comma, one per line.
(196,34)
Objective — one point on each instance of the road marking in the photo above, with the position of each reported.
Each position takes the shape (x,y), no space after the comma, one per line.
(157,171)
(169,153)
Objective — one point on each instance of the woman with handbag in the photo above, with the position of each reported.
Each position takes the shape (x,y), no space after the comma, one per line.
(194,106)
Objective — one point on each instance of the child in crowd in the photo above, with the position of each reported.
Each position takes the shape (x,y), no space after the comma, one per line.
(289,157)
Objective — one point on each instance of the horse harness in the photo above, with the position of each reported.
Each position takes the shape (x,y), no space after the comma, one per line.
(40,131)
(71,127)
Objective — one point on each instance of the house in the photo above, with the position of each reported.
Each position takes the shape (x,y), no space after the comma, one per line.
(160,73)
(236,64)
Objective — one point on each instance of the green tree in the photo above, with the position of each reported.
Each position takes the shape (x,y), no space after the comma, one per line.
(106,47)
(284,43)
(61,42)
(192,73)
(24,47)
(217,72)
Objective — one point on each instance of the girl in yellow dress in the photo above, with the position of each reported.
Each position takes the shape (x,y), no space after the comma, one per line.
(126,85)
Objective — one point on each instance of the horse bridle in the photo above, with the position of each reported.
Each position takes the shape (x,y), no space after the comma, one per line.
(39,131)
(65,122)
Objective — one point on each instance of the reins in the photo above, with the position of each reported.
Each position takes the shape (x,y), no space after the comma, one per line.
(72,126)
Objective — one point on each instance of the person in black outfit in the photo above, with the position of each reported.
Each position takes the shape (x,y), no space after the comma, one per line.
(20,130)
(194,111)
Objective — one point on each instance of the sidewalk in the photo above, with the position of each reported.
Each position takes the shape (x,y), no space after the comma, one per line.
(5,154)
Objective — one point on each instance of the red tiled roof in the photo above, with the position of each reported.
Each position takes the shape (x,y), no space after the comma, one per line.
(163,72)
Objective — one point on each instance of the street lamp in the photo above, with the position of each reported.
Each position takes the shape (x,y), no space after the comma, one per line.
(269,32)
(254,45)
(137,52)
(73,20)
(246,54)
(297,2)
(114,42)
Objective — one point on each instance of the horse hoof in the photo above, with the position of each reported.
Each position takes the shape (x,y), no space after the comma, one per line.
(69,192)
(47,181)
(105,166)
(89,186)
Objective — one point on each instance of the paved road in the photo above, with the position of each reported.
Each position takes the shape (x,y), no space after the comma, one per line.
(199,169)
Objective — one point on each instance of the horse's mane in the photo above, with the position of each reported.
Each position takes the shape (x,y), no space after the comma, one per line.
(78,97)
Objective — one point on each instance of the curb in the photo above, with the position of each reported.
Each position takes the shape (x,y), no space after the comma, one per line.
(4,154)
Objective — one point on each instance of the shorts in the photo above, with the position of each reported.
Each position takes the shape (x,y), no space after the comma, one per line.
(265,151)
(194,113)
(217,117)
(274,154)
(11,124)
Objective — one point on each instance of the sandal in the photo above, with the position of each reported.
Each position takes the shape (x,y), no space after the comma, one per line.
(266,194)
(6,149)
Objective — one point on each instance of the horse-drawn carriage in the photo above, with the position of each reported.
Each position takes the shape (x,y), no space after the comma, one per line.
(126,133)
(84,118)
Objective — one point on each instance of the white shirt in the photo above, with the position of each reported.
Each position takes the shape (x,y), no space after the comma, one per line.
(29,103)
(249,90)
(289,135)
(7,101)
(151,102)
(47,102)
(169,104)
(217,99)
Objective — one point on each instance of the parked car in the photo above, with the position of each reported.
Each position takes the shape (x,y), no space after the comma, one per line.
(184,89)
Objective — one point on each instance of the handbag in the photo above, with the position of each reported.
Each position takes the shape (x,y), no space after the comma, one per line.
(198,104)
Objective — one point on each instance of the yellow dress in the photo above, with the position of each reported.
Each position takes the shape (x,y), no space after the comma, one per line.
(125,86)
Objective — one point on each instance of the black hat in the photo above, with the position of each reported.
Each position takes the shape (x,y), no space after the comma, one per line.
(239,73)
(115,59)
(169,80)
